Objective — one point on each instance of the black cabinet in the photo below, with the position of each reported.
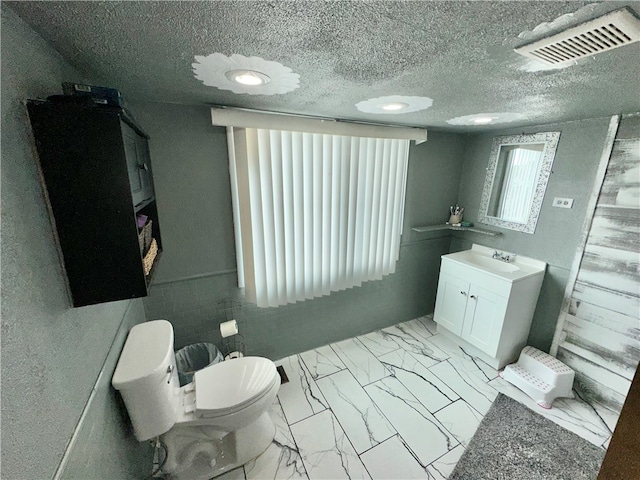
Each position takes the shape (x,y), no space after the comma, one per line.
(96,173)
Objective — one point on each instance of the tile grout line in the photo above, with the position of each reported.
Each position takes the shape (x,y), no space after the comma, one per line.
(397,433)
(377,408)
(418,401)
(284,415)
(468,384)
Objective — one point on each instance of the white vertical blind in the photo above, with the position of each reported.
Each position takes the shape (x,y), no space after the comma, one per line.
(314,213)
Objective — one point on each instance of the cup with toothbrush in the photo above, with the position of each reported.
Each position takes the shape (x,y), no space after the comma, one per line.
(455,215)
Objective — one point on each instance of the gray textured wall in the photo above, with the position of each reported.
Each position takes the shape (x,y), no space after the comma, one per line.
(197,270)
(559,230)
(52,354)
(191,178)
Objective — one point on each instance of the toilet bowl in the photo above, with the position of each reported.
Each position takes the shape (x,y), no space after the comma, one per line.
(209,426)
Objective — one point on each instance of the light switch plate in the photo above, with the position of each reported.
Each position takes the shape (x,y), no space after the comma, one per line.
(563,202)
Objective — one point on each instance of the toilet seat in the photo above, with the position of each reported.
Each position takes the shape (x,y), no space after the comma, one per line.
(227,387)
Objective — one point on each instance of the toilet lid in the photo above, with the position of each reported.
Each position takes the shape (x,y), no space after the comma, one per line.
(234,383)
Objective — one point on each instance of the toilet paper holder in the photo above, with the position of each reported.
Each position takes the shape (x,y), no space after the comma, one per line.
(232,340)
(233,347)
(230,315)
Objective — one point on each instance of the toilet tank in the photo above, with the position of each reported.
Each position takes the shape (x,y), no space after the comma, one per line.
(147,379)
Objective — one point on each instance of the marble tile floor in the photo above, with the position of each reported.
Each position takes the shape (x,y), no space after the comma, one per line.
(399,403)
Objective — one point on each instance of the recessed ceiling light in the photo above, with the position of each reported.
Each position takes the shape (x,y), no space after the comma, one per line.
(391,106)
(492,118)
(394,104)
(244,75)
(247,77)
(482,120)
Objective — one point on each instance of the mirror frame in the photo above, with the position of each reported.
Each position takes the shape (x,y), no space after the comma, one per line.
(550,140)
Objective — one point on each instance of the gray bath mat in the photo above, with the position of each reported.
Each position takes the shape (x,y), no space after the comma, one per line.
(515,443)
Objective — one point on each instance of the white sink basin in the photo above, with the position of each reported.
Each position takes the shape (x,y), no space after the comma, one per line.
(480,258)
(491,263)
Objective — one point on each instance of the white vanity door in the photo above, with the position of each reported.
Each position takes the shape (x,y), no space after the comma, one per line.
(483,319)
(451,302)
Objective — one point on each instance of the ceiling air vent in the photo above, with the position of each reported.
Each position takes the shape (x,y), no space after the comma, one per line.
(595,36)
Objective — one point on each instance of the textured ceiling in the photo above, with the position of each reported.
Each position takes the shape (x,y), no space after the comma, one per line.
(460,54)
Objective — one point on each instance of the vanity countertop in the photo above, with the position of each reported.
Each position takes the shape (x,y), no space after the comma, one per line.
(480,258)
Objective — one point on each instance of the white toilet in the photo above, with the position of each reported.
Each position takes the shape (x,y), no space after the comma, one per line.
(209,426)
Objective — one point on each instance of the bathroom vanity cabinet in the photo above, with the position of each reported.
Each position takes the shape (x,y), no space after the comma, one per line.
(96,174)
(487,305)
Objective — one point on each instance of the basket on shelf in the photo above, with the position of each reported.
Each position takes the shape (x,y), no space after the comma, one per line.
(144,238)
(148,259)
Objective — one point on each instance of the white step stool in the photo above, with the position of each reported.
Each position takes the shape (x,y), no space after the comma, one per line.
(541,376)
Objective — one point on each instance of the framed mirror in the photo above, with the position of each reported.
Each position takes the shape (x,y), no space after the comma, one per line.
(517,176)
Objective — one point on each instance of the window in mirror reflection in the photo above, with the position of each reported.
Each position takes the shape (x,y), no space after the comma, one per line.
(517,175)
(518,166)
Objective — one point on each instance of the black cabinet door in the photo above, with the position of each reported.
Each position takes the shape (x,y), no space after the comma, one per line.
(144,167)
(136,149)
(131,147)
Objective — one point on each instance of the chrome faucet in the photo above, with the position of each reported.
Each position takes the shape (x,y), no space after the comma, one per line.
(508,258)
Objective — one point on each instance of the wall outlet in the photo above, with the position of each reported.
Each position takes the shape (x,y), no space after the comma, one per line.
(563,202)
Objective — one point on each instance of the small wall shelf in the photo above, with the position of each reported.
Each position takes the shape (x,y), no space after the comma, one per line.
(435,228)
